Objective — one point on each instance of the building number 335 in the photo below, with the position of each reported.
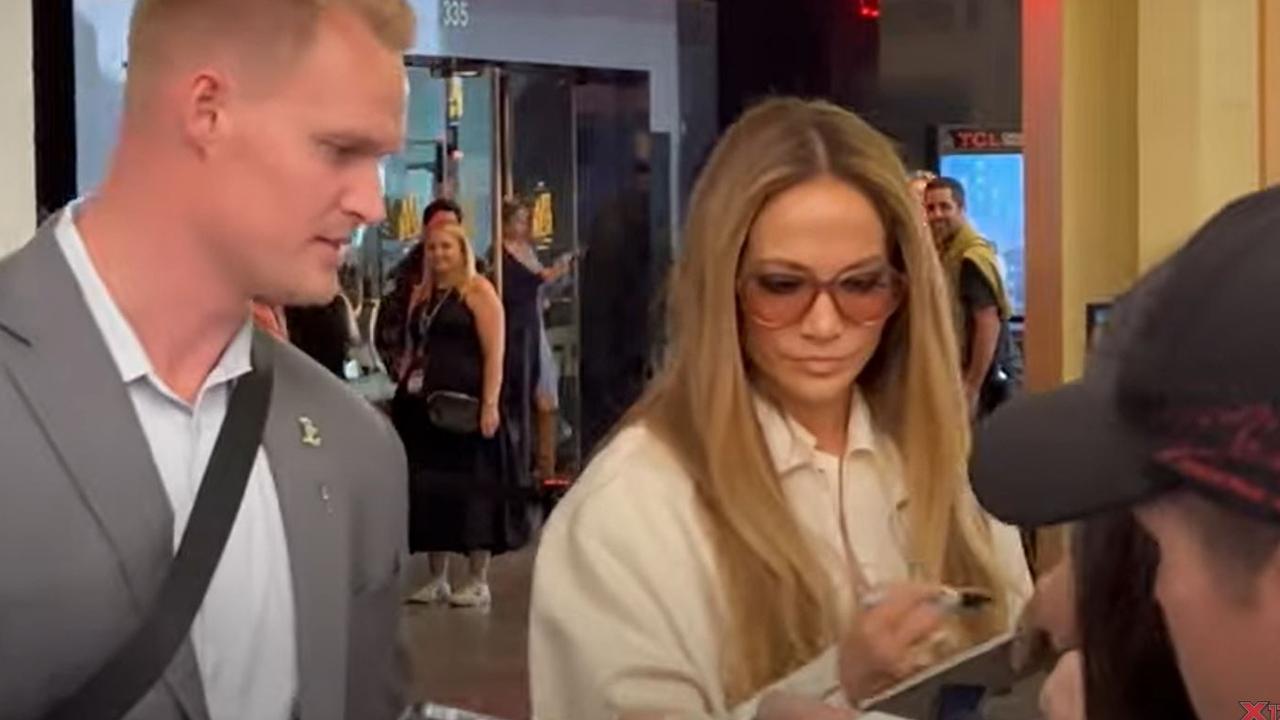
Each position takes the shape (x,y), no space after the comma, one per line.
(455,13)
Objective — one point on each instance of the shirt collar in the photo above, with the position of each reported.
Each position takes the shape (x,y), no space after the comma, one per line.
(122,342)
(236,360)
(791,446)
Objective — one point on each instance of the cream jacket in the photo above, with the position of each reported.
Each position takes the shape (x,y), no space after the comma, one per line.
(626,598)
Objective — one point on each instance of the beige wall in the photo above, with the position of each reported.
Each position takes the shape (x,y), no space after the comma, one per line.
(1199,115)
(1142,118)
(17,131)
(1100,161)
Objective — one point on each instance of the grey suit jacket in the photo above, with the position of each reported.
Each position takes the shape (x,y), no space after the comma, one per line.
(86,528)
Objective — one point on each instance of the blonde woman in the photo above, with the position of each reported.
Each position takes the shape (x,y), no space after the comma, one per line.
(806,444)
(456,454)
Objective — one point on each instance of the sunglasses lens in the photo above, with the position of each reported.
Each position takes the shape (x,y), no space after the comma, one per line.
(868,298)
(777,299)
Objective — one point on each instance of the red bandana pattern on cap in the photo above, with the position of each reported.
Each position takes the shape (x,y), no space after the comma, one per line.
(1233,450)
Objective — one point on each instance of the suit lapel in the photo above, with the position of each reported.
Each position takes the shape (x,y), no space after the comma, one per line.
(75,391)
(315,511)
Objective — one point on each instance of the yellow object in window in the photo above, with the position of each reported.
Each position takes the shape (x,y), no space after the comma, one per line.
(415,218)
(404,223)
(455,103)
(544,224)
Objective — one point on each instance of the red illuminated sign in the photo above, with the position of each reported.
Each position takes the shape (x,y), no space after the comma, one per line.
(981,140)
(869,9)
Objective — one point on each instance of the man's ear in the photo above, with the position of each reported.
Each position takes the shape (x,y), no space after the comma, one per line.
(206,120)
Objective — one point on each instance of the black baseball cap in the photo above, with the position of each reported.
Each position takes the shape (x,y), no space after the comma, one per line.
(1182,391)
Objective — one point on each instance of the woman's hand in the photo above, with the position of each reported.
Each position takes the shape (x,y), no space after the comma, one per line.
(888,642)
(489,420)
(1053,608)
(785,706)
(1062,697)
(558,270)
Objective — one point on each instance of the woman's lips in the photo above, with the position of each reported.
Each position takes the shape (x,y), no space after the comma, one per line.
(822,365)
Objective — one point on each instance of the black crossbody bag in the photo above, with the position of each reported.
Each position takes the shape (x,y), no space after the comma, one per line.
(138,665)
(452,411)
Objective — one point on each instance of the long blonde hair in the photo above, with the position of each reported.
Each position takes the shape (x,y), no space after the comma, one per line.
(777,593)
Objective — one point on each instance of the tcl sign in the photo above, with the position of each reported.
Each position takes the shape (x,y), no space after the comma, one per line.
(980,140)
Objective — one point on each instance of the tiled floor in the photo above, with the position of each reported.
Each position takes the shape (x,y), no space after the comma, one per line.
(472,659)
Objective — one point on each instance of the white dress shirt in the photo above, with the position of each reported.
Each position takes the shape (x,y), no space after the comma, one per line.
(243,635)
(627,607)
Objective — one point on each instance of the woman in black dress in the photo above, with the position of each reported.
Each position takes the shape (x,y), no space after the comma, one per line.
(458,497)
(523,277)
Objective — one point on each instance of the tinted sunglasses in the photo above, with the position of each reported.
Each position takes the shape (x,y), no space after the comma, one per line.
(776,298)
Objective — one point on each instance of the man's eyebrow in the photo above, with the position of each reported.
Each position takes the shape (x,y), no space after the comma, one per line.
(356,142)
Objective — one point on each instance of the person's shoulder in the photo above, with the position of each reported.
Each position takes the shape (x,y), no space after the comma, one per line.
(974,280)
(481,290)
(635,478)
(39,256)
(969,266)
(635,509)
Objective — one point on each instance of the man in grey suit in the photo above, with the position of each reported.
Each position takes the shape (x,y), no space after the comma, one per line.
(249,152)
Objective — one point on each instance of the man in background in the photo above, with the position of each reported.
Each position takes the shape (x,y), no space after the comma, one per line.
(249,152)
(989,360)
(330,334)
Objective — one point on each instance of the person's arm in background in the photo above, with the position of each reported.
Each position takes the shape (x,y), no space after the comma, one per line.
(556,275)
(266,319)
(982,307)
(354,340)
(485,304)
(1053,612)
(389,333)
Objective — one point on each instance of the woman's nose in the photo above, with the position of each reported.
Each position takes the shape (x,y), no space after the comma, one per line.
(823,321)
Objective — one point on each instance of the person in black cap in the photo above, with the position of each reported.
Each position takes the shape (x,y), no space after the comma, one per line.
(1177,416)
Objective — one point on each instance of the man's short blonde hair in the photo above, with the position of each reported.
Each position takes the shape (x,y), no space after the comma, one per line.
(278,30)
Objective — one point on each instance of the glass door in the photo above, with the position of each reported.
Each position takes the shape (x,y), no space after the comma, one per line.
(624,255)
(411,180)
(450,152)
(473,148)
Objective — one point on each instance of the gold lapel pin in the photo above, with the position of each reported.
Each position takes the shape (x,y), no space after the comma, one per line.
(310,432)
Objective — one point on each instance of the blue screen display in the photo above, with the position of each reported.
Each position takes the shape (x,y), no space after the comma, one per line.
(993,187)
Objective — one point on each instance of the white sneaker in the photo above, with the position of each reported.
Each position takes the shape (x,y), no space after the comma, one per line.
(474,595)
(437,591)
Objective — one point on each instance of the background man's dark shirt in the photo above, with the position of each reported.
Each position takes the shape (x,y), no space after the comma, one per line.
(976,294)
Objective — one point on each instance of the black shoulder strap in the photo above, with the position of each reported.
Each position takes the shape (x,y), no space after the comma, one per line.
(138,665)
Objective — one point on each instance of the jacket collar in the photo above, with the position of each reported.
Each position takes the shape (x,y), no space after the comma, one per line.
(63,369)
(791,446)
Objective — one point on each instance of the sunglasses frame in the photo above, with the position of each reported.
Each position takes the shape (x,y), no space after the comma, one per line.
(897,278)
